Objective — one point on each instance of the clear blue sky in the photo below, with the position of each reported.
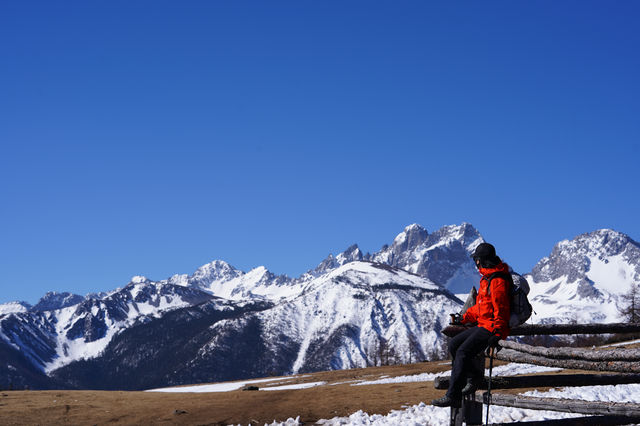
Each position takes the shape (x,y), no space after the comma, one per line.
(151,137)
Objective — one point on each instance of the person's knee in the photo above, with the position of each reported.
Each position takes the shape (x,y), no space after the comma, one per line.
(454,345)
(462,356)
(453,348)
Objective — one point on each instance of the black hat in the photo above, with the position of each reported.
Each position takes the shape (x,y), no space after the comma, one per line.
(484,251)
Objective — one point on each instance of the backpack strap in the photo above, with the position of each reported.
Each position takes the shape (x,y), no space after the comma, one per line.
(505,275)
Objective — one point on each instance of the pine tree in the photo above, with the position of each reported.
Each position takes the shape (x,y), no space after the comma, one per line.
(630,309)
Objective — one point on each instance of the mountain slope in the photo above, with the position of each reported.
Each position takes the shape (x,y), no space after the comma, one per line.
(583,279)
(344,319)
(51,339)
(163,350)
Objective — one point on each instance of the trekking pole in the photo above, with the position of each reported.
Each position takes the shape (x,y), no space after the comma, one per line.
(489,384)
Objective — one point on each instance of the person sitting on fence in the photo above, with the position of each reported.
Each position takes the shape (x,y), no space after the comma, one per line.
(491,313)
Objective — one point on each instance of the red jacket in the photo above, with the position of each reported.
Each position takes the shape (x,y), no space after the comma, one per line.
(492,311)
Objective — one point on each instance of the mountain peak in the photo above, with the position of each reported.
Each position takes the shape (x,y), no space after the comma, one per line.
(258,271)
(599,243)
(414,227)
(54,300)
(352,253)
(465,233)
(14,307)
(214,271)
(137,279)
(216,265)
(412,236)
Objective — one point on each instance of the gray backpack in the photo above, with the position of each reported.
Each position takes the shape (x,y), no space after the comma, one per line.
(520,307)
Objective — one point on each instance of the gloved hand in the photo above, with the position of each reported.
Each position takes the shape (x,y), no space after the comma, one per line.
(492,343)
(456,319)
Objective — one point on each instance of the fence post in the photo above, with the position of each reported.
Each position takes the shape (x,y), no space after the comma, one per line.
(471,410)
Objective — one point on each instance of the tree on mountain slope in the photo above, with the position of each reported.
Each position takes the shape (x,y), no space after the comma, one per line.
(630,308)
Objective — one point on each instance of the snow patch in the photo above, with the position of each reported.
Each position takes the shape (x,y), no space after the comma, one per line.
(216,387)
(613,274)
(294,386)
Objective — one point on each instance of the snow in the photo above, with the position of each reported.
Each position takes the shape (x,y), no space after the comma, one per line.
(326,307)
(216,387)
(137,279)
(559,300)
(424,377)
(368,273)
(631,342)
(256,282)
(400,238)
(610,393)
(511,369)
(584,280)
(613,274)
(12,307)
(423,414)
(289,422)
(514,369)
(294,386)
(69,350)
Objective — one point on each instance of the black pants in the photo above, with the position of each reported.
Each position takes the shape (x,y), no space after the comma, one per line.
(464,348)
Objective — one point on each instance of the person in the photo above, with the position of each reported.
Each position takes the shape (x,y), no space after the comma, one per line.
(491,316)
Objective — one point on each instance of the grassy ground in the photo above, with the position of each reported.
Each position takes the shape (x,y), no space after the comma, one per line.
(336,398)
(234,407)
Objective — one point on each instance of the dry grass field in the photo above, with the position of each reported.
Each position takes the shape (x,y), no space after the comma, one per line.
(335,398)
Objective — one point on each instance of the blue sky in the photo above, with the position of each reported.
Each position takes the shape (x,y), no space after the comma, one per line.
(149,138)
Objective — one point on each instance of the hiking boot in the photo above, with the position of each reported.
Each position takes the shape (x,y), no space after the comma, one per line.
(446,401)
(469,388)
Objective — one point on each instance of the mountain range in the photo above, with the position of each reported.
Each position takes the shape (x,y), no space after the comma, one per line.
(352,310)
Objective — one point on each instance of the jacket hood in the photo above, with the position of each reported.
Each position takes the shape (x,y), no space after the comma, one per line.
(503,267)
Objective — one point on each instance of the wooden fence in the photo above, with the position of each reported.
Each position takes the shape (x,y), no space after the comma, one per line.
(624,362)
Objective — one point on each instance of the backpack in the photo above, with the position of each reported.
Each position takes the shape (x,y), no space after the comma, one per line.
(520,307)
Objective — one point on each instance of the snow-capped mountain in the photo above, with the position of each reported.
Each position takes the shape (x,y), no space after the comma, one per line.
(444,256)
(217,271)
(351,254)
(220,323)
(357,315)
(223,280)
(53,338)
(583,279)
(57,334)
(343,317)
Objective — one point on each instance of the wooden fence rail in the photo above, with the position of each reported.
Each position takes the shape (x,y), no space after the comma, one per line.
(605,420)
(616,354)
(563,405)
(558,329)
(577,364)
(548,381)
